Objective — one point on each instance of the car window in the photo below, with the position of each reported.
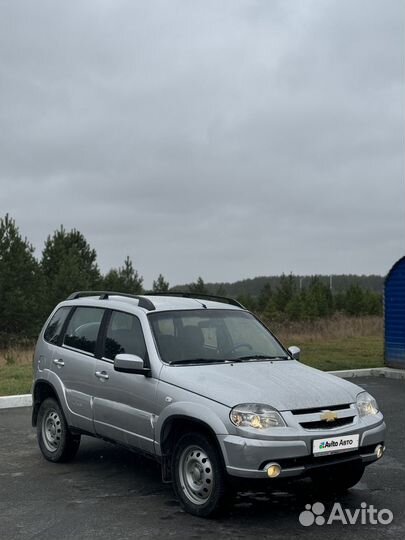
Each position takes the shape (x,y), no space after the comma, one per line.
(124,335)
(54,328)
(83,327)
(213,335)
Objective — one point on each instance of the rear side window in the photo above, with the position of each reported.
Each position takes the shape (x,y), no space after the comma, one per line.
(124,335)
(54,328)
(83,327)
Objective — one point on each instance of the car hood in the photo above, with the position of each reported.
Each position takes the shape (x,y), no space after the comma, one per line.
(284,384)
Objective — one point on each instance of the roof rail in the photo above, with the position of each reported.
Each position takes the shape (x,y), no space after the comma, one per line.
(104,295)
(214,297)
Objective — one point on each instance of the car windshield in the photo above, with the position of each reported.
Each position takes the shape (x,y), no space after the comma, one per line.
(207,336)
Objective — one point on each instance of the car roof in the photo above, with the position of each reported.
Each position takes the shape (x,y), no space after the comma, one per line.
(165,303)
(151,303)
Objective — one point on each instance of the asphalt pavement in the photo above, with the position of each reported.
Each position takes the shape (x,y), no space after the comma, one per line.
(110,493)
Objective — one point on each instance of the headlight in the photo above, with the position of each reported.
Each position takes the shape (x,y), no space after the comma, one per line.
(256,415)
(366,404)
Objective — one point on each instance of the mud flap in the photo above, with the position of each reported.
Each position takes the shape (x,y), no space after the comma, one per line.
(166,464)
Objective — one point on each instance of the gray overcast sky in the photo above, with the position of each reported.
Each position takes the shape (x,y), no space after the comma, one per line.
(225,139)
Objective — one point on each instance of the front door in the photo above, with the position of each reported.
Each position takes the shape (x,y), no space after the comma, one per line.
(124,402)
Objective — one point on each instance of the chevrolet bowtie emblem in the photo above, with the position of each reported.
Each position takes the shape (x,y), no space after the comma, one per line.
(329,416)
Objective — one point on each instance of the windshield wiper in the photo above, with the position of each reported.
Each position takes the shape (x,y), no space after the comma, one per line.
(224,360)
(200,361)
(261,357)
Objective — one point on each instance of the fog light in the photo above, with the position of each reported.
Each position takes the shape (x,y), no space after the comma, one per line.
(273,470)
(379,451)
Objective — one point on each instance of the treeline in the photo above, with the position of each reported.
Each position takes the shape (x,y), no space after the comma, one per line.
(316,300)
(30,288)
(337,282)
(290,300)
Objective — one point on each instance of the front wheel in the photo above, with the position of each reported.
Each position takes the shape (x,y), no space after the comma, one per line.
(338,479)
(199,478)
(56,442)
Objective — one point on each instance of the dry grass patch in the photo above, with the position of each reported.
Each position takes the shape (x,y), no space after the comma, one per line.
(336,328)
(337,343)
(16,356)
(16,370)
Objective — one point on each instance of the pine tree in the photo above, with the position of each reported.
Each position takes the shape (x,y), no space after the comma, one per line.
(285,292)
(21,285)
(221,291)
(124,279)
(69,264)
(198,287)
(294,309)
(160,285)
(265,296)
(354,301)
(319,299)
(247,301)
(373,304)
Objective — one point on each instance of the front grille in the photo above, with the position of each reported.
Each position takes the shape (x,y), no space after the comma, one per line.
(316,418)
(323,424)
(321,409)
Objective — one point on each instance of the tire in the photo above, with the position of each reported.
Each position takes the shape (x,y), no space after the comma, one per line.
(199,477)
(56,442)
(339,478)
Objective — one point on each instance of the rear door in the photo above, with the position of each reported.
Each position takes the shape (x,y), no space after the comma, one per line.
(75,364)
(45,354)
(124,403)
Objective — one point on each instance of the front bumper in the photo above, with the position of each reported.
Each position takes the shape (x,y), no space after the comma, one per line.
(247,457)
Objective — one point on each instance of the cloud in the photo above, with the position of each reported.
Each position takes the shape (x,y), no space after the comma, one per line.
(225,139)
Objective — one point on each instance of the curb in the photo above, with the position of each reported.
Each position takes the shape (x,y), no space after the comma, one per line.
(389,373)
(8,402)
(25,400)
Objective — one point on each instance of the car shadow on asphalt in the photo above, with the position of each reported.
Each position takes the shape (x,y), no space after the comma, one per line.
(139,476)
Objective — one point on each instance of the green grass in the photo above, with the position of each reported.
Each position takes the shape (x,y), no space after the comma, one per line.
(325,354)
(346,353)
(15,379)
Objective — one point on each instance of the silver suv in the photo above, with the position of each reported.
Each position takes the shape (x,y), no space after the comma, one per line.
(200,384)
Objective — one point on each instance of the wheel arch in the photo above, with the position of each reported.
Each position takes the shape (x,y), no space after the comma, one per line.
(41,391)
(173,428)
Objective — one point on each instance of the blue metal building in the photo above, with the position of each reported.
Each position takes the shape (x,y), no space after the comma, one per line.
(394,313)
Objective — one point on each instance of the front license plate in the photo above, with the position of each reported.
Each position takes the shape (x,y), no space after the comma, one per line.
(335,445)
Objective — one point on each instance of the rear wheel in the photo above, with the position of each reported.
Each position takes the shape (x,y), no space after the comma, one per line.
(199,478)
(56,442)
(339,478)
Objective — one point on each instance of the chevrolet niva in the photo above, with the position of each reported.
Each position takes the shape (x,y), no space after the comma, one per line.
(200,384)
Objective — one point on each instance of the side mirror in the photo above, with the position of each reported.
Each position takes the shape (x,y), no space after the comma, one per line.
(295,352)
(130,363)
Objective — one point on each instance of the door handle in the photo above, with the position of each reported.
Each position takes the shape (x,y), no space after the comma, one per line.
(101,375)
(58,362)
